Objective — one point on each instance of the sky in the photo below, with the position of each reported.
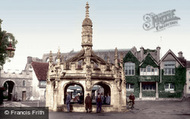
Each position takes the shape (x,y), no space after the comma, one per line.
(44,25)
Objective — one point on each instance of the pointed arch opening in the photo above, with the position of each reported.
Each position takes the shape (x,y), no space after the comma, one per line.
(104,90)
(76,92)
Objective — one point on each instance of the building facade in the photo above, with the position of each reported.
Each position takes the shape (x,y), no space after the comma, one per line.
(85,69)
(28,84)
(17,86)
(150,77)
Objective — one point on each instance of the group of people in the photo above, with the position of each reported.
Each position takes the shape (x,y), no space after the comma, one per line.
(100,99)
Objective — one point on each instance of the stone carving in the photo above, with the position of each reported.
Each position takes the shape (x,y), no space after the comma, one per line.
(88,78)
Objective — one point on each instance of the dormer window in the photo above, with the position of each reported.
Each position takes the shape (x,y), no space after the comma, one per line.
(129,69)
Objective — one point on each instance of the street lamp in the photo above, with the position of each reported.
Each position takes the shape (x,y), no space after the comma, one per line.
(10,50)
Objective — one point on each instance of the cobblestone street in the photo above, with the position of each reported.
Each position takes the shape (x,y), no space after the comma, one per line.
(142,110)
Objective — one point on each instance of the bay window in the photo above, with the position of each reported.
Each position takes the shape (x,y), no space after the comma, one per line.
(129,69)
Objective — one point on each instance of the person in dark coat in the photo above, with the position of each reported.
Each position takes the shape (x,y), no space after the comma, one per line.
(1,95)
(81,99)
(132,98)
(68,100)
(88,102)
(98,103)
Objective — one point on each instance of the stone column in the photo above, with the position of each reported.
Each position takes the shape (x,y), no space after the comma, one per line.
(156,90)
(140,94)
(55,101)
(59,96)
(48,88)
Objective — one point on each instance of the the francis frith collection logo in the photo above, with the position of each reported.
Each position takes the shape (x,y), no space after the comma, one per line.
(160,21)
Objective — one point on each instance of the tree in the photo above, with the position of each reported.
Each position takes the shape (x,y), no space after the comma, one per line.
(7,43)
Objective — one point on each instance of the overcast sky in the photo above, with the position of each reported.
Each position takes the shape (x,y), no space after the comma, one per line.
(44,25)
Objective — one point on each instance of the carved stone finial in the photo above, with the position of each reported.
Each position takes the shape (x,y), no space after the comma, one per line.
(59,54)
(50,57)
(116,57)
(108,60)
(62,59)
(87,11)
(121,57)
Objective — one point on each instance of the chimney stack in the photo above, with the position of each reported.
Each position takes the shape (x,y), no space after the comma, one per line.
(180,54)
(158,53)
(142,53)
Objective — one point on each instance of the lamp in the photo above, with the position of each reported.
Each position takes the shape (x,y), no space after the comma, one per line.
(10,50)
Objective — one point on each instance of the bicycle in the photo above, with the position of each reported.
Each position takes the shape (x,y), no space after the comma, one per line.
(129,104)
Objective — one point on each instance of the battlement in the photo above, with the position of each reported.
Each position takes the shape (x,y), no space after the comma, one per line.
(16,74)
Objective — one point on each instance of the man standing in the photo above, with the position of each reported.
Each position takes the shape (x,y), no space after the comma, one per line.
(132,98)
(98,103)
(68,99)
(88,102)
(108,99)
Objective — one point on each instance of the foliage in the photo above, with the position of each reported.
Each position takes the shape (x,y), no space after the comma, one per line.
(178,80)
(129,57)
(170,95)
(148,93)
(4,42)
(149,60)
(149,78)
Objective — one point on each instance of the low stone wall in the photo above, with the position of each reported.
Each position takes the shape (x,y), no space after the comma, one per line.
(158,99)
(81,108)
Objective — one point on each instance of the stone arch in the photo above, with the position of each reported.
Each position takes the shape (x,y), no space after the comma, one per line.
(106,86)
(47,59)
(65,87)
(9,86)
(8,80)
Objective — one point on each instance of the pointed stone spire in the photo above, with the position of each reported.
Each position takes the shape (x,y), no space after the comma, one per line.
(58,54)
(62,59)
(50,57)
(116,57)
(108,60)
(121,58)
(87,30)
(87,11)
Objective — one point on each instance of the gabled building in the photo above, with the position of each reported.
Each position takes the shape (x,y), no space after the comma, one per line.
(39,80)
(149,77)
(173,76)
(142,72)
(187,86)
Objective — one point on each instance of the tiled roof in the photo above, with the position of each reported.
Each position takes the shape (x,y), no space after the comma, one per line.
(176,58)
(40,70)
(188,64)
(182,60)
